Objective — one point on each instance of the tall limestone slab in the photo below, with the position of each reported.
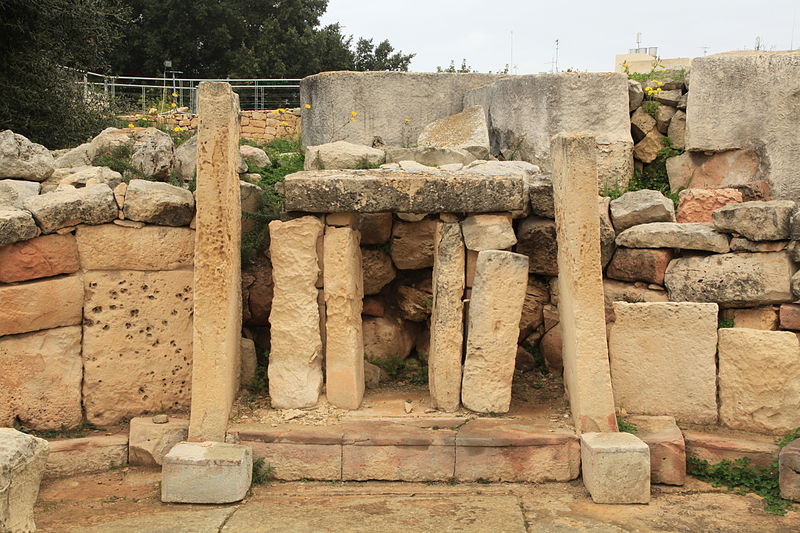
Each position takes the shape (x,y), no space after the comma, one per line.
(295,359)
(217,324)
(580,283)
(495,310)
(344,294)
(447,322)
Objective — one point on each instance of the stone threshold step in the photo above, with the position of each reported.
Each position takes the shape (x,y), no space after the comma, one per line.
(436,449)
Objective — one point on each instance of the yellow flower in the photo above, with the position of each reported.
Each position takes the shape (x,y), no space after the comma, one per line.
(152,110)
(308,106)
(177,128)
(174,104)
(281,110)
(407,120)
(174,95)
(130,125)
(352,119)
(354,113)
(284,123)
(660,83)
(274,111)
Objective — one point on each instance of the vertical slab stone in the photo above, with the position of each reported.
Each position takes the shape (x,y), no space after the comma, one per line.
(217,325)
(295,359)
(344,293)
(495,310)
(447,317)
(663,359)
(580,283)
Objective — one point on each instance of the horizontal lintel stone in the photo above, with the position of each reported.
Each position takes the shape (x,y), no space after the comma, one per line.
(374,191)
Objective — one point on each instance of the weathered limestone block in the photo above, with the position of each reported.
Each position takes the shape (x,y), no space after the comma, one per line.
(344,293)
(23,459)
(251,200)
(641,207)
(82,176)
(342,155)
(40,379)
(24,189)
(217,324)
(295,361)
(757,221)
(388,337)
(753,318)
(790,317)
(731,280)
(697,205)
(789,471)
(149,442)
(694,170)
(488,232)
(751,114)
(608,235)
(447,318)
(691,236)
(41,257)
(206,472)
(158,203)
(423,158)
(647,149)
(720,446)
(640,264)
(94,204)
(551,346)
(580,284)
(30,306)
(537,239)
(16,225)
(676,131)
(404,191)
(375,228)
(113,247)
(75,157)
(740,244)
(635,94)
(664,116)
(541,196)
(615,467)
(249,364)
(536,296)
(414,302)
(137,343)
(617,291)
(526,111)
(378,270)
(667,448)
(642,123)
(86,455)
(495,310)
(759,380)
(655,371)
(412,244)
(385,100)
(23,159)
(255,156)
(466,130)
(153,152)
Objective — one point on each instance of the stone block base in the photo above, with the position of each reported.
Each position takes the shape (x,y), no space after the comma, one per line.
(149,441)
(206,472)
(716,447)
(789,467)
(615,467)
(667,448)
(86,455)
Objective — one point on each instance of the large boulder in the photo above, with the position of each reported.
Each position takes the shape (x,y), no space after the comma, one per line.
(186,159)
(94,204)
(23,459)
(254,156)
(466,130)
(158,203)
(412,244)
(23,159)
(388,338)
(690,236)
(641,207)
(731,280)
(391,107)
(81,177)
(757,221)
(700,170)
(524,112)
(697,205)
(153,153)
(378,270)
(635,94)
(677,130)
(16,225)
(753,113)
(75,157)
(536,238)
(22,189)
(342,155)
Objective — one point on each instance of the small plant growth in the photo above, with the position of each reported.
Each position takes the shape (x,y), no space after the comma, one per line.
(725,323)
(788,438)
(63,433)
(627,427)
(262,472)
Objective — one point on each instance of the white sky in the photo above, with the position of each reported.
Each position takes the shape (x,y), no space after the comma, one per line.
(590,32)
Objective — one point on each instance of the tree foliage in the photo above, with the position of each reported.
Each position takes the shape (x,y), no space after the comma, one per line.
(37,39)
(241,38)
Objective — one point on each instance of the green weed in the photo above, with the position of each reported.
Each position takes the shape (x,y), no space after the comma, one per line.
(262,473)
(627,427)
(789,437)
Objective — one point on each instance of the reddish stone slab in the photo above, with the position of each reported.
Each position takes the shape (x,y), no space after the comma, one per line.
(42,257)
(362,462)
(716,447)
(638,264)
(667,448)
(790,316)
(287,434)
(789,471)
(696,205)
(296,461)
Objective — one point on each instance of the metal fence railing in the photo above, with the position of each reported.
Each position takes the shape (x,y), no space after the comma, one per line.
(138,93)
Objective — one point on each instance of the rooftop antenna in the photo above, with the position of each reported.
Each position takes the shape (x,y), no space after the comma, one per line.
(556,60)
(511,63)
(638,40)
(794,21)
(705,50)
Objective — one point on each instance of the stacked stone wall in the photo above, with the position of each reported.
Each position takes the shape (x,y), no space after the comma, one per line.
(256,125)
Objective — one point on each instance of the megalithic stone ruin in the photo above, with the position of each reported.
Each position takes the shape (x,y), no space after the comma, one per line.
(580,283)
(217,264)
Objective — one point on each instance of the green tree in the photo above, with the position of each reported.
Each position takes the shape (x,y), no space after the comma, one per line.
(368,56)
(38,39)
(464,68)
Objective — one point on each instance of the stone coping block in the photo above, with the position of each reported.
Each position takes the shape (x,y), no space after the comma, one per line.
(399,434)
(286,434)
(295,462)
(375,191)
(615,467)
(30,306)
(86,455)
(206,472)
(114,247)
(482,432)
(22,463)
(667,448)
(716,446)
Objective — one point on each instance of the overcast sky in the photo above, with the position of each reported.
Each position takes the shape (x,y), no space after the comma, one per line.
(590,32)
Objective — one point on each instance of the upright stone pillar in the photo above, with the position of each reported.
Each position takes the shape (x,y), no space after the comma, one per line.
(501,279)
(447,317)
(217,327)
(295,358)
(580,283)
(344,294)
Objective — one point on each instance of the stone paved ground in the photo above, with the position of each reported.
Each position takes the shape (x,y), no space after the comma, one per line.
(127,500)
